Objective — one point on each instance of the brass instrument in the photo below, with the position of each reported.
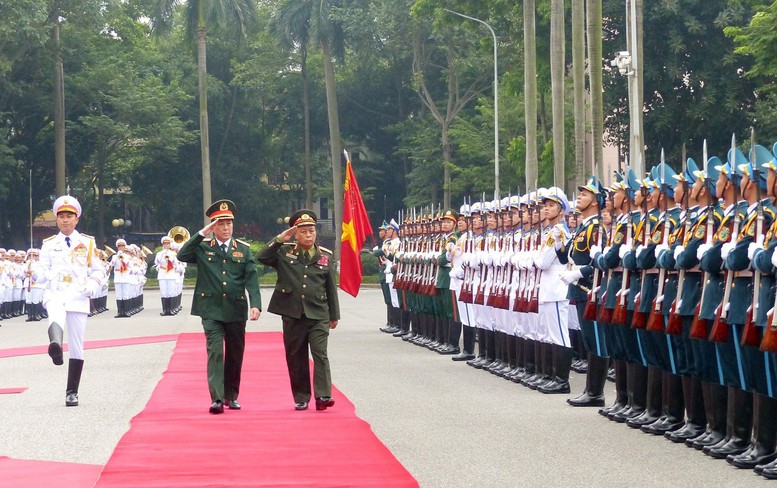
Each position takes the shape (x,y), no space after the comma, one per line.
(108,251)
(179,234)
(146,251)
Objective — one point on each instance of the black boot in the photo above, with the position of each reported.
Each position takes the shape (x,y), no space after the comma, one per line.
(452,338)
(739,420)
(74,368)
(44,314)
(764,442)
(56,335)
(468,343)
(694,411)
(119,309)
(529,362)
(480,360)
(164,311)
(30,313)
(621,391)
(562,362)
(672,406)
(654,404)
(593,396)
(715,408)
(636,392)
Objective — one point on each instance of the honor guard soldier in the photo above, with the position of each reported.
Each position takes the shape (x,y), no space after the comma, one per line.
(227,285)
(71,272)
(451,318)
(585,243)
(457,275)
(167,265)
(392,324)
(120,262)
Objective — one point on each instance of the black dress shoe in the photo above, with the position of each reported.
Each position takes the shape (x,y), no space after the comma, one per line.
(753,457)
(463,356)
(301,406)
(233,405)
(689,431)
(216,407)
(322,403)
(556,386)
(733,447)
(55,353)
(71,400)
(586,400)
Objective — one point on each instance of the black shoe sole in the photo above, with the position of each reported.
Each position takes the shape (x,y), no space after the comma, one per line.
(55,353)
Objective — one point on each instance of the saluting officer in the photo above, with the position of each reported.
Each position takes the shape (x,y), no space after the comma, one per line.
(227,280)
(306,298)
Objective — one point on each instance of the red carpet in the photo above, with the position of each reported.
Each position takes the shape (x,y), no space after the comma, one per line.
(125,341)
(174,441)
(23,473)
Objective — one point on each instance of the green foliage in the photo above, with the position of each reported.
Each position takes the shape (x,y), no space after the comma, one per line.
(370,265)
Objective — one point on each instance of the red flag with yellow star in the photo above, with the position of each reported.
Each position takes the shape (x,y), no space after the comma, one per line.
(356,227)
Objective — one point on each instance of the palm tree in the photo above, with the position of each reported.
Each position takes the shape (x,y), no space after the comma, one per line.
(594,27)
(291,24)
(239,15)
(578,71)
(530,92)
(557,52)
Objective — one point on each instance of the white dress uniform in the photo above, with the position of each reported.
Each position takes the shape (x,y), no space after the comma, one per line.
(553,309)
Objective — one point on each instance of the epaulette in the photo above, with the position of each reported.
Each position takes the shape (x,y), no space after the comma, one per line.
(49,238)
(323,249)
(243,242)
(87,236)
(770,211)
(207,239)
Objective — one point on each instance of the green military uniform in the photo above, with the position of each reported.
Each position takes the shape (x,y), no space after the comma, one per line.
(226,282)
(305,297)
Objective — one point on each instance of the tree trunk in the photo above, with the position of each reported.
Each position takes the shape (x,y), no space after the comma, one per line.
(595,62)
(446,169)
(530,93)
(202,71)
(578,64)
(557,58)
(334,144)
(59,114)
(306,114)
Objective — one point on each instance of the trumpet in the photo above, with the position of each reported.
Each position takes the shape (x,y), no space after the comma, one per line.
(179,234)
(108,251)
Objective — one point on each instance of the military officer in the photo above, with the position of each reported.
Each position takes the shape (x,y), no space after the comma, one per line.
(306,298)
(72,273)
(227,284)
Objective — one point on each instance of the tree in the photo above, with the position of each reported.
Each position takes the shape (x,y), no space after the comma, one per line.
(239,15)
(530,92)
(578,77)
(594,28)
(557,65)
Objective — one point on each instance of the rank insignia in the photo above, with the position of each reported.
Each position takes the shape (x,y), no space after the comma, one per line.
(656,238)
(323,260)
(618,238)
(237,254)
(751,230)
(291,255)
(724,233)
(701,231)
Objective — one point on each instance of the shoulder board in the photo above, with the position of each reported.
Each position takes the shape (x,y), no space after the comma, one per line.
(87,236)
(207,239)
(243,242)
(769,211)
(323,249)
(49,238)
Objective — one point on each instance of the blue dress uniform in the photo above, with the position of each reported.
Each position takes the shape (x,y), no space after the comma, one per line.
(227,279)
(589,233)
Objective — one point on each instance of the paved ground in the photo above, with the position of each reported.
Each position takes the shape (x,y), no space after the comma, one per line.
(450,425)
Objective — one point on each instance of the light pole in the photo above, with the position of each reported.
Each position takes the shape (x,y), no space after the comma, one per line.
(496,103)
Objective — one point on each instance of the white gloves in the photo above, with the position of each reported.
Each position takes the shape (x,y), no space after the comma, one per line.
(640,248)
(726,249)
(703,248)
(752,248)
(375,249)
(570,276)
(774,259)
(677,251)
(661,248)
(594,251)
(450,247)
(622,251)
(556,233)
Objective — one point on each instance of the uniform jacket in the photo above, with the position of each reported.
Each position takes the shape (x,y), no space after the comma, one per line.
(304,286)
(577,252)
(225,281)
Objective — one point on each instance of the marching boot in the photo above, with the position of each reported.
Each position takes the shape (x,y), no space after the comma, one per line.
(672,406)
(621,392)
(636,392)
(440,326)
(694,411)
(119,309)
(30,313)
(529,362)
(739,425)
(593,396)
(74,368)
(562,362)
(490,348)
(165,307)
(44,314)
(654,404)
(453,337)
(509,355)
(715,408)
(480,360)
(390,326)
(763,446)
(520,362)
(544,365)
(468,339)
(499,347)
(56,335)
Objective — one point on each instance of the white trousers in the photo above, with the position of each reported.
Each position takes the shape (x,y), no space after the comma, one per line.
(554,323)
(73,322)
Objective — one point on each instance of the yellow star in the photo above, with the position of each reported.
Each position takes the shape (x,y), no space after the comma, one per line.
(349,234)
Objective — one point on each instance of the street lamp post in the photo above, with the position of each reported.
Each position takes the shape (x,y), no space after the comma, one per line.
(496,102)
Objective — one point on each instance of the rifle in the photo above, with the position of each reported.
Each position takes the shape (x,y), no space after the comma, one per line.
(719,331)
(480,295)
(751,333)
(700,326)
(674,324)
(640,318)
(590,310)
(655,322)
(605,314)
(533,305)
(619,313)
